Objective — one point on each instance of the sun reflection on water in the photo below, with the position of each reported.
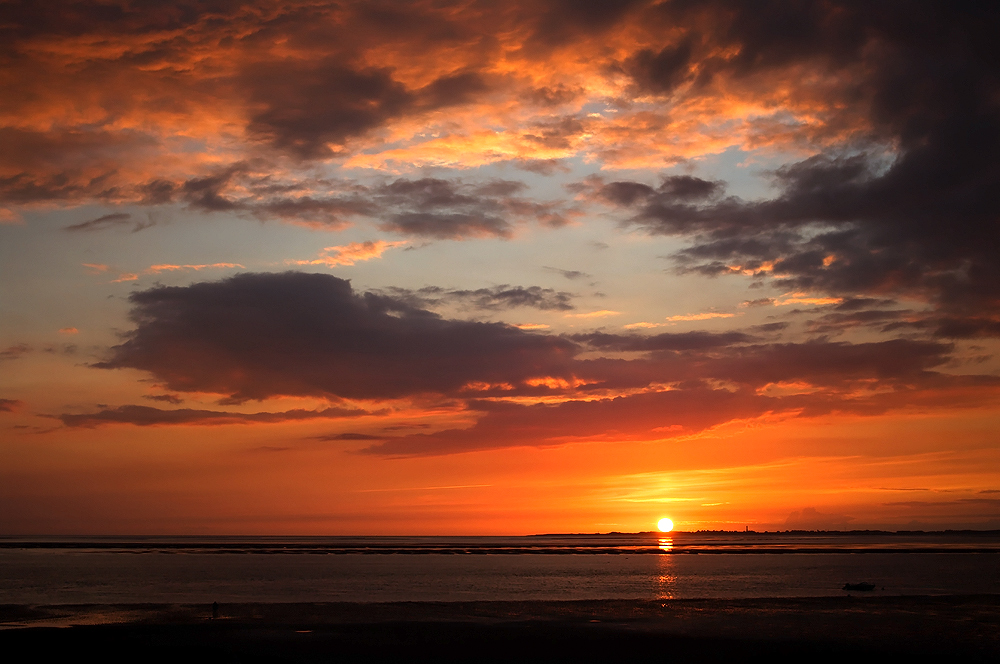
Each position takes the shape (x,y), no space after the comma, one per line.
(666,579)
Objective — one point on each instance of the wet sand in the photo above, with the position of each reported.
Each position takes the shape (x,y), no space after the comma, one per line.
(855,628)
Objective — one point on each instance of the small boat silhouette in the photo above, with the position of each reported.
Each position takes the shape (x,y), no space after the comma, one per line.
(863,587)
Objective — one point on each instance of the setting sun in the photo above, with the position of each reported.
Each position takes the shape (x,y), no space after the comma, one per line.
(444,299)
(664,308)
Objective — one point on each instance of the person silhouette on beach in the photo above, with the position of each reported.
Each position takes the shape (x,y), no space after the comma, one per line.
(215,610)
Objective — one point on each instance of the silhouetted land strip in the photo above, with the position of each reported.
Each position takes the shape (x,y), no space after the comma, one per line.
(738,542)
(820,629)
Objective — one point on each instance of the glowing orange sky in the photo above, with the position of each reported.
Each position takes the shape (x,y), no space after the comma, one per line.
(460,267)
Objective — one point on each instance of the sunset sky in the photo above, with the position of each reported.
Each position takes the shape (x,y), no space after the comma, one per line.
(310,267)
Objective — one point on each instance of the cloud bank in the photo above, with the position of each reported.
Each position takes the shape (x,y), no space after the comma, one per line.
(260,336)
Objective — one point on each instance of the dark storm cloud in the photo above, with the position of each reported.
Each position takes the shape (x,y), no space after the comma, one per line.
(149,416)
(921,218)
(261,335)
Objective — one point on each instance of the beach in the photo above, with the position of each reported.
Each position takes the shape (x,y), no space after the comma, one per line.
(850,628)
(620,597)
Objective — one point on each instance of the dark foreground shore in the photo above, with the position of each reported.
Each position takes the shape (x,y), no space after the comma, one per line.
(837,629)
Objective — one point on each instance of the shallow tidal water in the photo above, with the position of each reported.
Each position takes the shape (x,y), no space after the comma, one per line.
(618,566)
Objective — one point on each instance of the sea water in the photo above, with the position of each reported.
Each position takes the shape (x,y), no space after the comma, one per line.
(644,566)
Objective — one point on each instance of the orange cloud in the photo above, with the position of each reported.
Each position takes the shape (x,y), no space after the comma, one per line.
(603,313)
(156,269)
(352,253)
(82,125)
(805,298)
(689,317)
(556,383)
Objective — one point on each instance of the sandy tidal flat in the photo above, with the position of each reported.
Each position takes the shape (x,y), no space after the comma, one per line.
(854,628)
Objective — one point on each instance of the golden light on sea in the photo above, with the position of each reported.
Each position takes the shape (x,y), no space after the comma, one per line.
(665,525)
